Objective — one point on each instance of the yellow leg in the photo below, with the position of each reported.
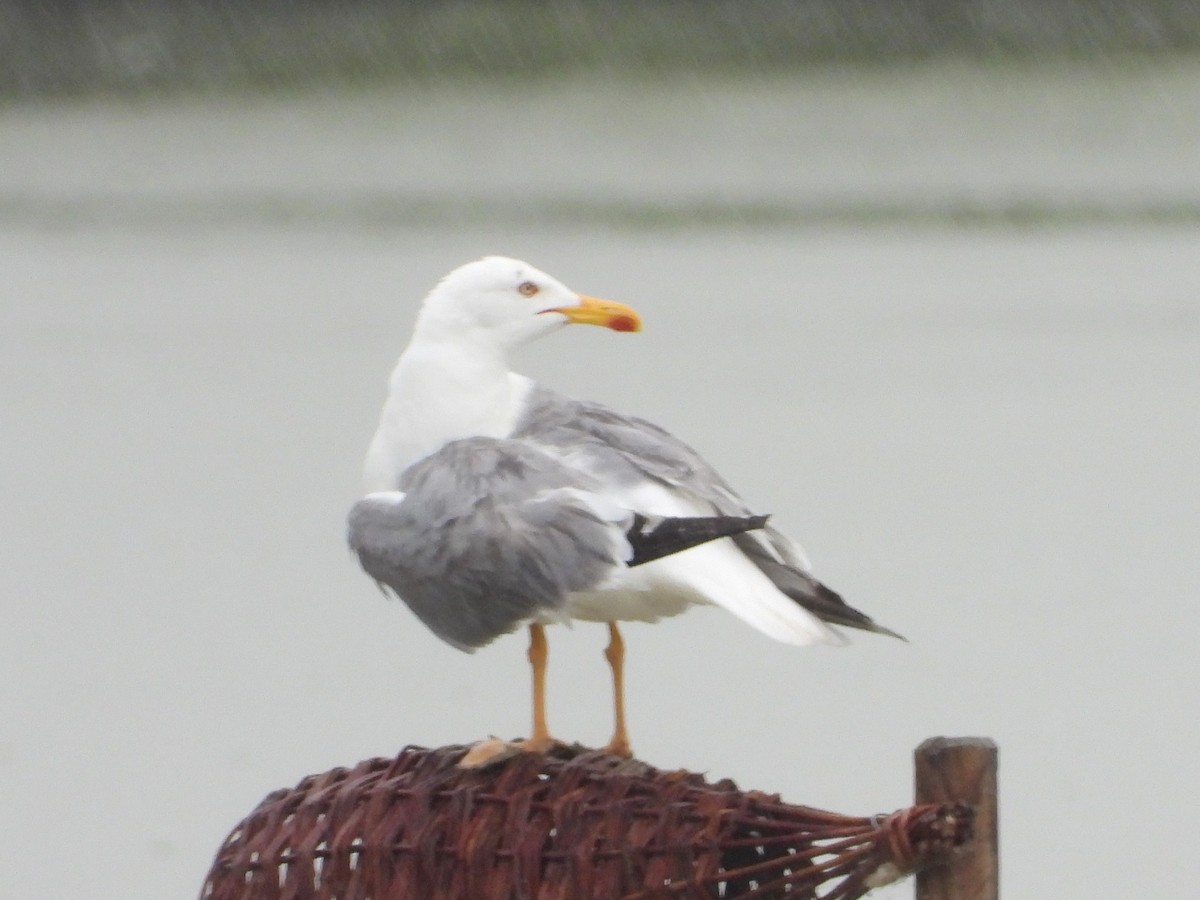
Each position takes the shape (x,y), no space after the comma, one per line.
(615,654)
(539,652)
(493,749)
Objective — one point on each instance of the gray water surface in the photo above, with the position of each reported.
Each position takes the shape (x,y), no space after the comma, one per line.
(985,436)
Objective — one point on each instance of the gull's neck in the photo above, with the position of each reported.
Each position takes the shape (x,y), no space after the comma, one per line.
(441,390)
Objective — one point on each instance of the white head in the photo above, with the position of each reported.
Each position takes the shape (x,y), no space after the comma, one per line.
(507,302)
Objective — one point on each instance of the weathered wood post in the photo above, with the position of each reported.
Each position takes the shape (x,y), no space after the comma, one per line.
(950,769)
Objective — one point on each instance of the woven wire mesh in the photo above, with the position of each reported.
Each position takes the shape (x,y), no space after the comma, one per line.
(574,824)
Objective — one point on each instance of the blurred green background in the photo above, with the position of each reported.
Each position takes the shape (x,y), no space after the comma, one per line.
(55,47)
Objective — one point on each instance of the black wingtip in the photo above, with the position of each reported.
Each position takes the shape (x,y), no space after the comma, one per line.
(828,605)
(672,535)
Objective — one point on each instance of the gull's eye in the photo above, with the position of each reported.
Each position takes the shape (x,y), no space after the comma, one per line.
(527,288)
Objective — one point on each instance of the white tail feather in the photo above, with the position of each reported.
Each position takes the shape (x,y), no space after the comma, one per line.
(721,575)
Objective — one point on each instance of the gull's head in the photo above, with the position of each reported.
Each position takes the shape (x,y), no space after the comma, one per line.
(508,302)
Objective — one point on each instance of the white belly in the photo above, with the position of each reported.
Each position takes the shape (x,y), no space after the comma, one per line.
(638,597)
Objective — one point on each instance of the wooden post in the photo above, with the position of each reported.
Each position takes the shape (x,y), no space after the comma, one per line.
(950,769)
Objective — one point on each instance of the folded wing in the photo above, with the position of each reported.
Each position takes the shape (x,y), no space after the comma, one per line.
(488,534)
(643,462)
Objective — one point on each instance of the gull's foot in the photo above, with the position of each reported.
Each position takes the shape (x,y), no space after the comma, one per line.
(489,750)
(618,746)
(494,750)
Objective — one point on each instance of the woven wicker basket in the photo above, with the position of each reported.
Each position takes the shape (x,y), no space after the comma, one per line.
(573,824)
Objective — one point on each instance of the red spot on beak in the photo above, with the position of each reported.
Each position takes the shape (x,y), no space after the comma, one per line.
(623,323)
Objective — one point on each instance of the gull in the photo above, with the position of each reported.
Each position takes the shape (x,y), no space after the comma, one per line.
(494,502)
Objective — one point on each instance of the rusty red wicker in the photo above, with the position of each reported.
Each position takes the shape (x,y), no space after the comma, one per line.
(573,824)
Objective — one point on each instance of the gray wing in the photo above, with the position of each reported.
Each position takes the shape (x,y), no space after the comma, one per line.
(626,449)
(486,534)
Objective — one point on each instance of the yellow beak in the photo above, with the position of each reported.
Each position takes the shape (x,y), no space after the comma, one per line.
(608,313)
